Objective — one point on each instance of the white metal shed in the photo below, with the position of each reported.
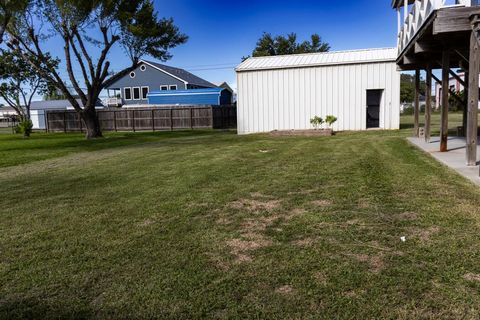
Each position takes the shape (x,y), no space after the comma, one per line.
(361,88)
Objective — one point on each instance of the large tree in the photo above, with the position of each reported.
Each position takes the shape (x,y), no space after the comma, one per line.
(8,11)
(268,45)
(88,31)
(407,87)
(19,83)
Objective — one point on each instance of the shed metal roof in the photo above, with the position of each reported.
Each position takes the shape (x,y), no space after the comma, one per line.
(319,59)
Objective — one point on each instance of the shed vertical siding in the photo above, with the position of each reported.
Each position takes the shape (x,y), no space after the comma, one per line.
(284,99)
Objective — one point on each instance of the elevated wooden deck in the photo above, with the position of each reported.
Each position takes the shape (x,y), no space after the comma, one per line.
(446,29)
(444,37)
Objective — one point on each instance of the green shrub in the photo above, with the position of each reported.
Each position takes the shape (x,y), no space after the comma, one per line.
(330,120)
(317,122)
(24,127)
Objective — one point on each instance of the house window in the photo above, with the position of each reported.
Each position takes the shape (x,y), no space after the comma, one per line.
(163,88)
(143,67)
(136,93)
(132,74)
(173,87)
(144,93)
(128,93)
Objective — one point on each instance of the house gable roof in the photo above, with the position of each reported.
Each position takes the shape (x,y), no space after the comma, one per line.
(180,74)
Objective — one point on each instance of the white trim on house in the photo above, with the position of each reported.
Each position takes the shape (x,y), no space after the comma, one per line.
(159,69)
(163,88)
(125,95)
(139,93)
(173,86)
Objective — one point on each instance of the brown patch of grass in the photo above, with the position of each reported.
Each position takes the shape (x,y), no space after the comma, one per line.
(253,205)
(297,212)
(258,224)
(320,277)
(259,195)
(424,235)
(407,216)
(302,192)
(375,262)
(146,223)
(241,248)
(307,242)
(286,289)
(224,221)
(472,277)
(321,203)
(363,203)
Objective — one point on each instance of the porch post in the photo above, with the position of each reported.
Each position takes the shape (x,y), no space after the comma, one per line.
(405,10)
(428,103)
(444,110)
(474,70)
(416,110)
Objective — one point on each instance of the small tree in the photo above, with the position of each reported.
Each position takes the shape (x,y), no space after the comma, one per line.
(19,83)
(330,120)
(131,24)
(317,122)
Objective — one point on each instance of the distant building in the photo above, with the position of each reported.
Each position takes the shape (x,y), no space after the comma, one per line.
(227,86)
(133,89)
(454,85)
(206,96)
(38,110)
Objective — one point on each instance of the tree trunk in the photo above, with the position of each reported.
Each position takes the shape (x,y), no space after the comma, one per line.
(92,125)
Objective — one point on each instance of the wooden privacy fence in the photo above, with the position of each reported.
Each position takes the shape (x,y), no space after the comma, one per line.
(148,119)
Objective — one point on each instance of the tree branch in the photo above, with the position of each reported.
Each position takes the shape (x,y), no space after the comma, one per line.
(85,53)
(71,75)
(81,63)
(50,75)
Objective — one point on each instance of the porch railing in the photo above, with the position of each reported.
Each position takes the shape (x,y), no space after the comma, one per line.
(113,102)
(420,12)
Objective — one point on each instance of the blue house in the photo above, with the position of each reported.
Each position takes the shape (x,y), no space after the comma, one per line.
(133,89)
(206,96)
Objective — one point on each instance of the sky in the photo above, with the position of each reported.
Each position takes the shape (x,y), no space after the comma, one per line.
(222,32)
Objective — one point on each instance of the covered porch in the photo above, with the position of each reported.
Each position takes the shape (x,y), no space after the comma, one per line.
(437,36)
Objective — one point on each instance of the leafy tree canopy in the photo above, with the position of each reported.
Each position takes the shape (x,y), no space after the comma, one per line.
(407,87)
(269,45)
(89,29)
(19,82)
(9,9)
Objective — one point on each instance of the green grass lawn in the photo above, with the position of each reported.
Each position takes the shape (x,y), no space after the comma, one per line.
(212,225)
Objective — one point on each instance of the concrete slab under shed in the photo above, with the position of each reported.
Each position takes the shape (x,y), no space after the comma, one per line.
(455,158)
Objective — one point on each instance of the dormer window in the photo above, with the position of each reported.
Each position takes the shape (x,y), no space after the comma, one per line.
(132,74)
(143,67)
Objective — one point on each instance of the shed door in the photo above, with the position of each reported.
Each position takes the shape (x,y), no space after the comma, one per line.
(374,99)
